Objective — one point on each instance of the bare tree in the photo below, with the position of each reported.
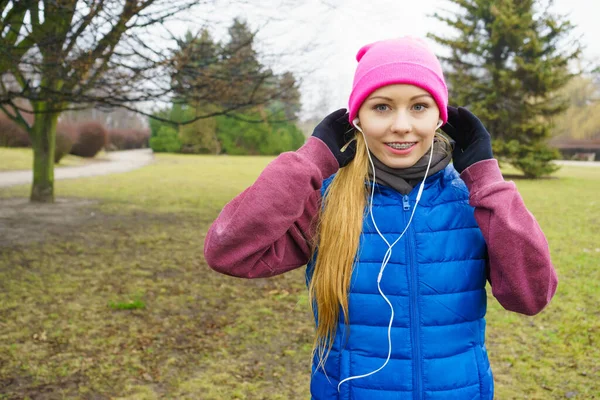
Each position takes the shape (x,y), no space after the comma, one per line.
(64,55)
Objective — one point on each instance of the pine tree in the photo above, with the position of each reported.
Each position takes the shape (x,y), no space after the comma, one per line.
(248,79)
(290,96)
(210,76)
(507,63)
(197,65)
(287,98)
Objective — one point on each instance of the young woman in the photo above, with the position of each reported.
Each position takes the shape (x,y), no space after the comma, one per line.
(399,242)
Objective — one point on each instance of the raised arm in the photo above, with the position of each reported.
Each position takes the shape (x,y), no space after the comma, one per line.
(266,229)
(521,273)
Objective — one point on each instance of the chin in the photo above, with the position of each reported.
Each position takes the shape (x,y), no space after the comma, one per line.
(401,164)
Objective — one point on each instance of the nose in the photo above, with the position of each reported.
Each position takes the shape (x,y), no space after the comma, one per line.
(401,123)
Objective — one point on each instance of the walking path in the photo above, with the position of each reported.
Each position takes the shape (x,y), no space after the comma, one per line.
(578,163)
(118,161)
(128,160)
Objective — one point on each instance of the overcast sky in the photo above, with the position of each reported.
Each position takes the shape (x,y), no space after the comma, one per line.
(320,38)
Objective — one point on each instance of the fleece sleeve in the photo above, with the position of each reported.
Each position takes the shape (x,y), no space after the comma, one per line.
(521,273)
(266,230)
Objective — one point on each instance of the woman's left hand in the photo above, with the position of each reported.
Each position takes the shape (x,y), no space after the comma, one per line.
(473,141)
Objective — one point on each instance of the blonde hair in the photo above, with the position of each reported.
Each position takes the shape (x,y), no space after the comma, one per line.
(337,236)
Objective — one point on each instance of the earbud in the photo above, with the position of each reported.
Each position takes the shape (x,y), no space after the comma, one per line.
(355,123)
(440,123)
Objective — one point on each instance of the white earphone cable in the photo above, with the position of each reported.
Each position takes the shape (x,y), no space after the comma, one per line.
(388,254)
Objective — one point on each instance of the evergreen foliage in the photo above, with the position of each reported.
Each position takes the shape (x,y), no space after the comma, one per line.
(257,131)
(507,63)
(240,137)
(211,77)
(166,140)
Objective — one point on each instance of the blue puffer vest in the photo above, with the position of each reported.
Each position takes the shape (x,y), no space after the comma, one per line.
(435,281)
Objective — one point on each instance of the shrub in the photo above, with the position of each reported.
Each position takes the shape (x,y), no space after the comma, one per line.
(12,134)
(65,132)
(239,137)
(143,137)
(534,160)
(125,139)
(89,140)
(166,140)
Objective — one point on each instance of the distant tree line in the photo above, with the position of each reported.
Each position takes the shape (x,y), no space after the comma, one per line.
(211,76)
(581,121)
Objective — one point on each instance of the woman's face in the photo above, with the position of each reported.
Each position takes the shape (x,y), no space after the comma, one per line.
(399,122)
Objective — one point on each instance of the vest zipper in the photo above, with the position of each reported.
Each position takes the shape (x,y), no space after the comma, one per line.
(414,308)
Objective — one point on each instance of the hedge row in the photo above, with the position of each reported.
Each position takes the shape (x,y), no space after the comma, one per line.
(83,139)
(11,134)
(127,139)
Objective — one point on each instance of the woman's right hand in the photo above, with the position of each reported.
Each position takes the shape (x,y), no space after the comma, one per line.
(336,132)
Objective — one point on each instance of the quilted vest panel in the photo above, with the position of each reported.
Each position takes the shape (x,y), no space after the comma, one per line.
(435,281)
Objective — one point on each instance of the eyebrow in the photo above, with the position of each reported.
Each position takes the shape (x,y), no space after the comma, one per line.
(411,99)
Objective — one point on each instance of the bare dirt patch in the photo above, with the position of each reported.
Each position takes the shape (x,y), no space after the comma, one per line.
(197,334)
(22,222)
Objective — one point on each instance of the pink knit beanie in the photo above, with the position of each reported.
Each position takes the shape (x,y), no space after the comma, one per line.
(406,60)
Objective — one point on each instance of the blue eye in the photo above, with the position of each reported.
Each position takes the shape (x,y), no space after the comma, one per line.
(380,107)
(420,107)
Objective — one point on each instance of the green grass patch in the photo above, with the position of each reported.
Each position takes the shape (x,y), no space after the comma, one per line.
(136,304)
(203,335)
(16,159)
(173,184)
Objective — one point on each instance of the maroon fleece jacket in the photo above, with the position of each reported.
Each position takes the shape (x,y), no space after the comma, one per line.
(266,230)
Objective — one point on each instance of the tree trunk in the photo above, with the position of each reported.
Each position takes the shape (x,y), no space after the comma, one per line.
(43,138)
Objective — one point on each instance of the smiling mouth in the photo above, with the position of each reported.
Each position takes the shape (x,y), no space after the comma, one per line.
(401,146)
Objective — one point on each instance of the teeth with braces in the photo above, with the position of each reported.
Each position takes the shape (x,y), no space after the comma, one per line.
(400,146)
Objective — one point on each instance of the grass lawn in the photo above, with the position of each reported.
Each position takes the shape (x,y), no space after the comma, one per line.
(14,159)
(112,299)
